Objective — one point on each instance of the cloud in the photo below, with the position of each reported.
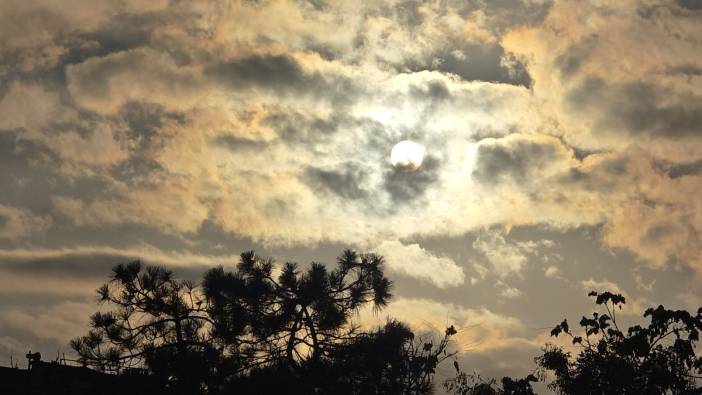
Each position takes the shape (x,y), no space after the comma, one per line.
(507,291)
(553,272)
(180,212)
(405,186)
(637,108)
(279,73)
(642,112)
(689,4)
(105,84)
(601,106)
(17,223)
(99,147)
(457,37)
(684,169)
(28,106)
(144,252)
(479,329)
(505,256)
(657,233)
(76,272)
(414,261)
(203,152)
(55,323)
(32,33)
(282,134)
(346,183)
(520,158)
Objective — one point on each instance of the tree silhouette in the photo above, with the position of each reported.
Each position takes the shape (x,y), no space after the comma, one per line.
(296,316)
(260,329)
(157,321)
(474,384)
(655,359)
(390,360)
(658,358)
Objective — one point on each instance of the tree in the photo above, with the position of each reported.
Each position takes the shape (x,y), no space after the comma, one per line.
(473,384)
(389,360)
(252,331)
(157,321)
(296,316)
(655,359)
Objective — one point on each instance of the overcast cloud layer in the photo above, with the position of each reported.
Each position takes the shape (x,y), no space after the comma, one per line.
(562,141)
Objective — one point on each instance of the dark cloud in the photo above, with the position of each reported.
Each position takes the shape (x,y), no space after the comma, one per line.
(105,84)
(657,234)
(81,266)
(497,163)
(138,171)
(662,10)
(125,31)
(690,4)
(17,151)
(144,121)
(485,64)
(505,13)
(688,70)
(406,185)
(605,176)
(144,137)
(478,62)
(582,153)
(294,126)
(282,74)
(270,71)
(237,144)
(433,91)
(122,32)
(676,170)
(344,182)
(570,61)
(638,108)
(22,163)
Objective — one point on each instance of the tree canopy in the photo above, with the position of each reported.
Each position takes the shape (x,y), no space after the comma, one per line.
(658,358)
(260,328)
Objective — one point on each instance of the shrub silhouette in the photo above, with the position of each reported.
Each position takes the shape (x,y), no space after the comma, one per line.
(252,331)
(655,359)
(474,384)
(658,358)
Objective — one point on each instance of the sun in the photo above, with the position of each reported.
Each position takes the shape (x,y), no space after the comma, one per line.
(407,155)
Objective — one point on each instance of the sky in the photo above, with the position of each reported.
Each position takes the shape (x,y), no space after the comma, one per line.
(562,154)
